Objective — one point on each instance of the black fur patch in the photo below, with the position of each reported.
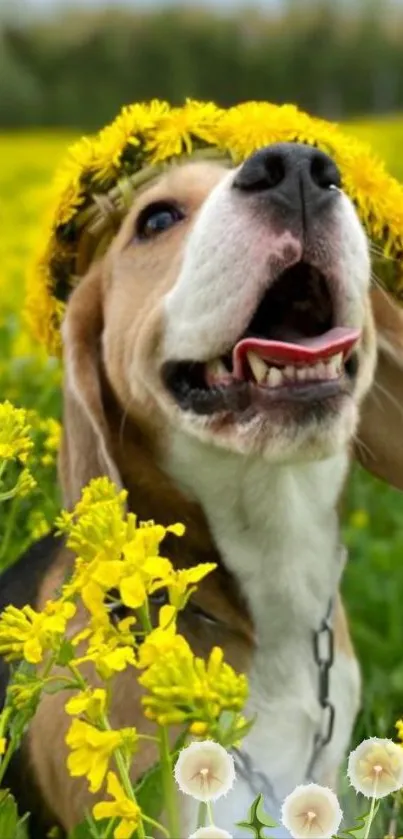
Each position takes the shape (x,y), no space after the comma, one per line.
(20,585)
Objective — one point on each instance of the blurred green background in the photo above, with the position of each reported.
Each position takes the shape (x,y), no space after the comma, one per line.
(66,71)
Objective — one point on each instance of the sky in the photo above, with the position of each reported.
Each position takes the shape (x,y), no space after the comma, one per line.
(45,6)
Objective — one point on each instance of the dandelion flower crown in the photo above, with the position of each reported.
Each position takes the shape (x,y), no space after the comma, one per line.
(95,187)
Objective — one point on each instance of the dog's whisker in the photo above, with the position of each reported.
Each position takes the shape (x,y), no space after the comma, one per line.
(363,446)
(392,399)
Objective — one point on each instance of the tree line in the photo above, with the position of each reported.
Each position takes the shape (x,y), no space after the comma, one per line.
(78,69)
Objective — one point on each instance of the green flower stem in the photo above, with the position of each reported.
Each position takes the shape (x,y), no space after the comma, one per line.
(202,814)
(168,783)
(127,786)
(4,718)
(157,825)
(209,812)
(145,618)
(7,496)
(372,810)
(6,760)
(111,826)
(9,527)
(3,465)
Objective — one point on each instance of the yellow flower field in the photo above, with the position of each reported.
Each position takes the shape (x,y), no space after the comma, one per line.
(373,520)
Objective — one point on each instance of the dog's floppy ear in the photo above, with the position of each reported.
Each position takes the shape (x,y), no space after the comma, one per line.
(86,447)
(380,436)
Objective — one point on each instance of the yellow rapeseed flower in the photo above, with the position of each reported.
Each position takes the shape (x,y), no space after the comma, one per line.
(25,483)
(91,702)
(27,634)
(181,584)
(53,431)
(92,749)
(183,687)
(15,433)
(359,519)
(110,648)
(3,745)
(114,550)
(161,640)
(122,808)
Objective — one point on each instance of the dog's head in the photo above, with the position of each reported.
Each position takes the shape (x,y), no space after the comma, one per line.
(234,304)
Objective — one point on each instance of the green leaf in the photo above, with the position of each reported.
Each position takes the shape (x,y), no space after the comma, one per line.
(86,831)
(361,825)
(258,819)
(149,792)
(66,653)
(11,827)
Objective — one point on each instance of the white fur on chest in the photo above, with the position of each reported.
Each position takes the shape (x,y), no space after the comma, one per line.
(277,532)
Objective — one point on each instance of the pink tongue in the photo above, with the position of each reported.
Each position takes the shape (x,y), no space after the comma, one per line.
(309,351)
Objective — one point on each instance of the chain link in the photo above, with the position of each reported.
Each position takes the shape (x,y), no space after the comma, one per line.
(323,651)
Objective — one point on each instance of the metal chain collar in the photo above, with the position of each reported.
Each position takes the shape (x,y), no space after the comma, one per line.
(323,653)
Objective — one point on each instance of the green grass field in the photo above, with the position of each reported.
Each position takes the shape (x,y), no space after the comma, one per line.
(373,517)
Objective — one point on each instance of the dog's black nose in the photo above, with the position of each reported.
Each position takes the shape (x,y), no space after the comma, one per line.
(290,174)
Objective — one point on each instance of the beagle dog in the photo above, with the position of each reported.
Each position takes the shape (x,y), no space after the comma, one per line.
(224,361)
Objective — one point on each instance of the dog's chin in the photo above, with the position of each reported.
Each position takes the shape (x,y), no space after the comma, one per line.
(314,424)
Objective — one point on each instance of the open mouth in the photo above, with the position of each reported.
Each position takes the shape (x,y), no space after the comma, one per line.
(293,350)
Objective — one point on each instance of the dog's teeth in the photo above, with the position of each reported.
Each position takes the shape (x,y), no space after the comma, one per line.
(221,369)
(217,370)
(339,359)
(274,377)
(333,367)
(257,366)
(321,370)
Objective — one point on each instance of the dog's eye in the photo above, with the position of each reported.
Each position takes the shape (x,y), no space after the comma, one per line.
(156,219)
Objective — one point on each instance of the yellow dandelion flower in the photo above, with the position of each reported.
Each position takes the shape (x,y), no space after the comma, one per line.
(180,129)
(27,634)
(92,749)
(132,123)
(69,194)
(123,808)
(145,134)
(15,433)
(3,745)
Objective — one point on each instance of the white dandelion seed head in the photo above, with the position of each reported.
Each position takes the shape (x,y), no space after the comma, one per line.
(375,767)
(311,812)
(205,770)
(210,832)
